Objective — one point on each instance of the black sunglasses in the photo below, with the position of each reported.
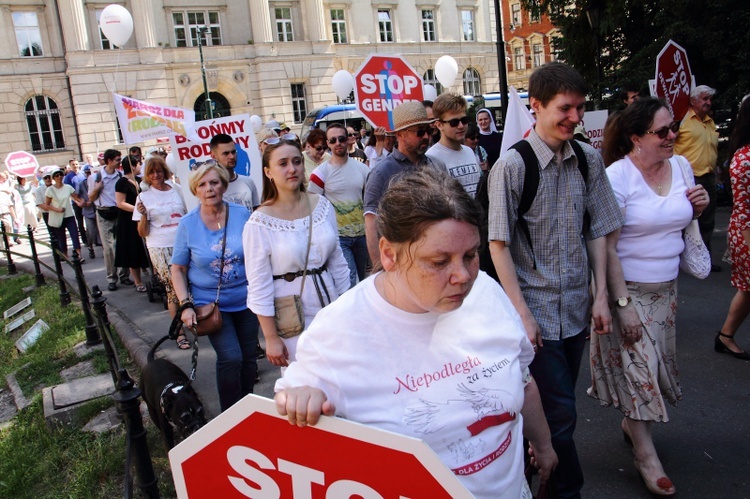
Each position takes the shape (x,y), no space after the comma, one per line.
(340,138)
(455,121)
(420,132)
(662,132)
(352,135)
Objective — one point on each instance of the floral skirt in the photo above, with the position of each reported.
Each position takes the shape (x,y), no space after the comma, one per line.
(639,379)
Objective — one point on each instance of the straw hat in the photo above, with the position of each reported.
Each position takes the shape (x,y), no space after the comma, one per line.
(409,114)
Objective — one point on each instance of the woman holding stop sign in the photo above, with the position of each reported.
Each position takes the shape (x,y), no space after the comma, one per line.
(428,347)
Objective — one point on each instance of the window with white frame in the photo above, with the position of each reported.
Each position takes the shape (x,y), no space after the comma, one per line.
(515,14)
(299,102)
(44,123)
(467,23)
(385,25)
(338,26)
(428,25)
(104,43)
(537,51)
(284,28)
(429,78)
(472,82)
(187,23)
(519,61)
(28,34)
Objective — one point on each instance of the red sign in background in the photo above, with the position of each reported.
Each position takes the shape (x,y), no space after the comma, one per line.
(21,163)
(382,83)
(247,453)
(673,79)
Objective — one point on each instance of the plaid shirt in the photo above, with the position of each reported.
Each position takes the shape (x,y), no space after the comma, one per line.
(556,291)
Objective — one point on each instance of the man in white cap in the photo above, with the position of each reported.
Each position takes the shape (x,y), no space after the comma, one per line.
(412,128)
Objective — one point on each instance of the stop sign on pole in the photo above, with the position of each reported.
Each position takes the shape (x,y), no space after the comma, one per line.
(383,82)
(21,163)
(250,451)
(673,79)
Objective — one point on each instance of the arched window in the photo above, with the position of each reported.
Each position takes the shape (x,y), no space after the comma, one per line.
(472,82)
(430,79)
(219,103)
(45,126)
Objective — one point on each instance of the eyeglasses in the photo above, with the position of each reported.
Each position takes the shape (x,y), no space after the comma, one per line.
(319,148)
(340,138)
(275,140)
(352,135)
(455,121)
(420,132)
(156,172)
(198,164)
(662,132)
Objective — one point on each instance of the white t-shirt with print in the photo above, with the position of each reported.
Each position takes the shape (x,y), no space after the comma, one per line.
(164,210)
(462,165)
(453,380)
(242,191)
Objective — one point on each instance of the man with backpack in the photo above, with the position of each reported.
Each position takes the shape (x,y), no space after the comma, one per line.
(545,251)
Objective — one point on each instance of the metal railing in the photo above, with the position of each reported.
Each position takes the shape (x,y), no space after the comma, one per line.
(98,328)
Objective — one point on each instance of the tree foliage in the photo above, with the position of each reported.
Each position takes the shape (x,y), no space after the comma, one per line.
(715,34)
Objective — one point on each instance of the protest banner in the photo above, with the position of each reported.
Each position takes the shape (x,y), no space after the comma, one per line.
(593,122)
(141,121)
(186,152)
(674,79)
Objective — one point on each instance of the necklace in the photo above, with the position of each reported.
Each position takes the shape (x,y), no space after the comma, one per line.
(650,178)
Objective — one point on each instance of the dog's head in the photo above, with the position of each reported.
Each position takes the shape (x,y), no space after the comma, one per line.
(183,409)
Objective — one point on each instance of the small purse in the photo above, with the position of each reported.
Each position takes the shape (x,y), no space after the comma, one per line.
(695,259)
(208,316)
(288,313)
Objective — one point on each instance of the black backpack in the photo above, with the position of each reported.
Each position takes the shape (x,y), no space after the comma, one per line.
(531,183)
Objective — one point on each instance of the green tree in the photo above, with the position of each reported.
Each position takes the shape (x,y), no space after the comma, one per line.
(715,34)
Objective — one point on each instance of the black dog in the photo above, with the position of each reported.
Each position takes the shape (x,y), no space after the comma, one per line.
(172,402)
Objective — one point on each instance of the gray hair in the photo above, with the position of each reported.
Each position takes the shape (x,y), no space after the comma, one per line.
(700,90)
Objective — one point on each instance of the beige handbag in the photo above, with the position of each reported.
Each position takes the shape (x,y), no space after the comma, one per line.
(288,312)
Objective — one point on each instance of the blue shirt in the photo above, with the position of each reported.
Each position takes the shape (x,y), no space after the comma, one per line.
(199,249)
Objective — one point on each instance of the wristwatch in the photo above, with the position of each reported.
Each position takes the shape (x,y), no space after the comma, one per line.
(623,301)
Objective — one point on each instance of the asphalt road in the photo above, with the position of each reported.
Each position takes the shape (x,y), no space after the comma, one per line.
(705,448)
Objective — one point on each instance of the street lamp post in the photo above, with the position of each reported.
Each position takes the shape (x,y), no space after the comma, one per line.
(593,14)
(201,31)
(501,66)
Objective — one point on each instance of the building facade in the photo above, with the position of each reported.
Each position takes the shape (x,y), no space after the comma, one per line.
(265,57)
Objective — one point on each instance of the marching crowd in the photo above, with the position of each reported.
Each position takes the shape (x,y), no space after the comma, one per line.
(359,261)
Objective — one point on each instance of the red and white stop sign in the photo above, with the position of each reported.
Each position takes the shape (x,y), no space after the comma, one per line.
(250,451)
(383,82)
(21,163)
(673,79)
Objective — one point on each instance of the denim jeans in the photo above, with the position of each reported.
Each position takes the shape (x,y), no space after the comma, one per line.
(555,369)
(236,356)
(355,252)
(62,239)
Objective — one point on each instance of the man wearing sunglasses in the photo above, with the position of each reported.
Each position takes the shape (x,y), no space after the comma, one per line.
(241,189)
(412,128)
(698,141)
(450,113)
(341,180)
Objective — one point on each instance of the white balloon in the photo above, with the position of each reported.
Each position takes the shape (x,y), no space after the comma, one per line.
(343,83)
(446,69)
(430,92)
(116,24)
(256,123)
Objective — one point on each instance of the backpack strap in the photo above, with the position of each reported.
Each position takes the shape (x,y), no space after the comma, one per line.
(530,186)
(583,167)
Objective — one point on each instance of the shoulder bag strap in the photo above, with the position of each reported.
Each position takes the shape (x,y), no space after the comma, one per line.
(687,170)
(309,243)
(223,249)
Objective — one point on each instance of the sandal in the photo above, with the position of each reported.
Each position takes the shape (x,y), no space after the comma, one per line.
(182,342)
(141,288)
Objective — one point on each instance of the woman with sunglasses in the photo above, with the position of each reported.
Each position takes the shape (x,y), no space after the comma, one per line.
(315,151)
(635,367)
(57,199)
(739,234)
(278,242)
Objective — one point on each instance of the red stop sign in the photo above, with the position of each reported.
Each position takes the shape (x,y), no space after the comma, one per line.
(383,82)
(21,163)
(673,79)
(250,451)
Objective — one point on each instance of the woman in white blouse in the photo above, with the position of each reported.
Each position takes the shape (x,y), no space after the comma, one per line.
(276,245)
(635,367)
